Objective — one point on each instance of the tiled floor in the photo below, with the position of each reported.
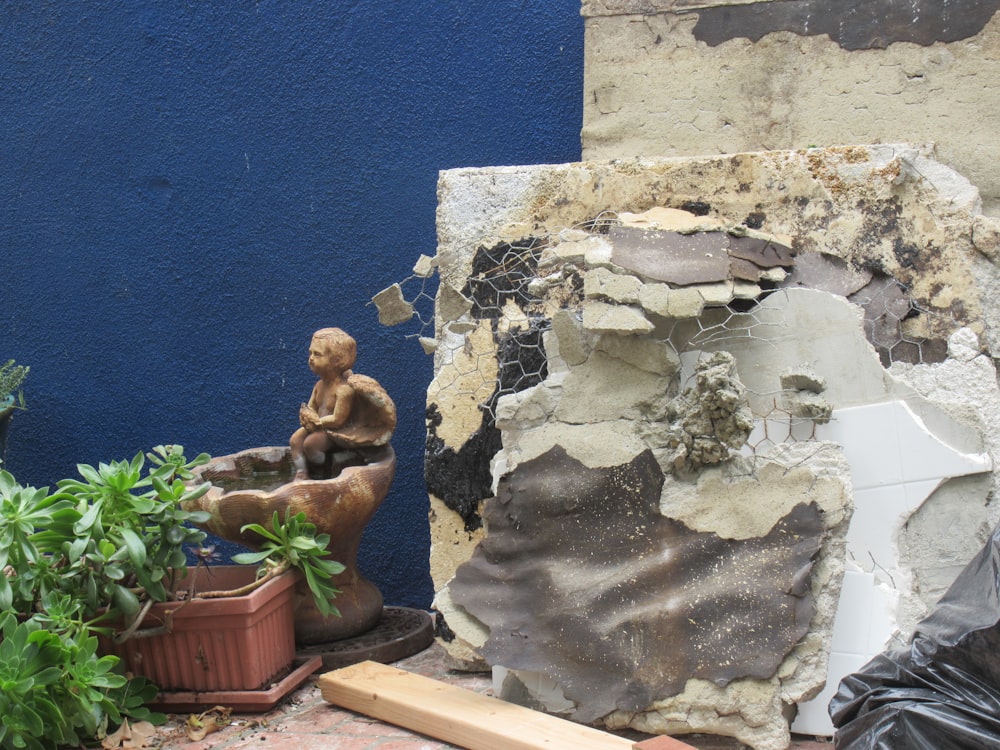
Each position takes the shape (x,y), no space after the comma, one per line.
(306,722)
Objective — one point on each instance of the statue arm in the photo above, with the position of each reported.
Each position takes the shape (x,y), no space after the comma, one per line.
(341,410)
(308,414)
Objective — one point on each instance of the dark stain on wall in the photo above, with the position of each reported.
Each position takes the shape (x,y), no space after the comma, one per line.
(874,24)
(461,478)
(502,273)
(583,579)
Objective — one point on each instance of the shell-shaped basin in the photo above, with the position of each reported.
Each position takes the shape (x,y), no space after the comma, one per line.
(248,487)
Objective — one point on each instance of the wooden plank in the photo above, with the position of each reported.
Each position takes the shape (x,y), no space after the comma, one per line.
(456,715)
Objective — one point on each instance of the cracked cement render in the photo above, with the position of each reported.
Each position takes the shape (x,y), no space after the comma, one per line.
(671,78)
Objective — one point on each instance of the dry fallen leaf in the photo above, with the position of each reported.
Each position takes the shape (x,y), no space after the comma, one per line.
(130,736)
(200,726)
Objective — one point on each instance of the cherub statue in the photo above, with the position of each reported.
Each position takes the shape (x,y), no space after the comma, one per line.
(346,412)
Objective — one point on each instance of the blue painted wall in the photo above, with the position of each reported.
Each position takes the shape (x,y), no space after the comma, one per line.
(189,189)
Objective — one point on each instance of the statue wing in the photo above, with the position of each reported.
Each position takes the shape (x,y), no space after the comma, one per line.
(373,415)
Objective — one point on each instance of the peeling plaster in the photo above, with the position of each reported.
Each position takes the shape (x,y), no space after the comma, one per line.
(873,24)
(729,608)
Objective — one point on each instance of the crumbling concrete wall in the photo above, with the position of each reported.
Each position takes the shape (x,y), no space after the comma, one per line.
(731,334)
(690,77)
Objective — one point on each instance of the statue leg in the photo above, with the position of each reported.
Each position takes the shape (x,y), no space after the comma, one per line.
(296,443)
(314,449)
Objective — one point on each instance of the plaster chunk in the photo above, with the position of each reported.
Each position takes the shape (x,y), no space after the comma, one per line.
(670,219)
(593,445)
(986,236)
(392,307)
(601,317)
(774,275)
(718,294)
(802,379)
(647,354)
(602,283)
(598,253)
(964,345)
(572,251)
(574,343)
(710,418)
(528,408)
(808,405)
(662,300)
(745,290)
(587,397)
(462,650)
(451,303)
(743,506)
(725,622)
(425,266)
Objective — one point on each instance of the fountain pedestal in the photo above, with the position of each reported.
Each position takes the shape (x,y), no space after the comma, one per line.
(248,487)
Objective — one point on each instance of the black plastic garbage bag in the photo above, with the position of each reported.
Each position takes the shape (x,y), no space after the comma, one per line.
(943,690)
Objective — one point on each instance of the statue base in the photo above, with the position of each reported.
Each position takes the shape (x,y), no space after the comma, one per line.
(400,632)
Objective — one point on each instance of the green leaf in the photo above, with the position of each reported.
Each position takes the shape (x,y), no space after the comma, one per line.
(135,546)
(89,519)
(125,601)
(249,558)
(89,473)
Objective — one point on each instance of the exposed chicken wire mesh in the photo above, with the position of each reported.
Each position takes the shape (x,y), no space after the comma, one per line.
(494,346)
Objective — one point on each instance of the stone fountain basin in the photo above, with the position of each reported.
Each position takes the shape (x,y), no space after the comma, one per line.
(248,487)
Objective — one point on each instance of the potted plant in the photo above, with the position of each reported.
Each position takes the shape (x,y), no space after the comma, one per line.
(103,557)
(11,398)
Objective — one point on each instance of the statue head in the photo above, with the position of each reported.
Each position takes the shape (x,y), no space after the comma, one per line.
(332,349)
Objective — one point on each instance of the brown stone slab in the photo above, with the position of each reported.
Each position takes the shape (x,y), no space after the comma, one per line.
(461,717)
(763,252)
(745,270)
(827,273)
(681,259)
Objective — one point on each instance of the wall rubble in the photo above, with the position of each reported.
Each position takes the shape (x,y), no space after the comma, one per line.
(830,285)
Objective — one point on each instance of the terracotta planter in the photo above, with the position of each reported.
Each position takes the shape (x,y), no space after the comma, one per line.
(229,644)
(340,506)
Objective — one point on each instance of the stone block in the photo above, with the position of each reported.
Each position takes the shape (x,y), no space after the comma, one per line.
(662,300)
(871,65)
(601,317)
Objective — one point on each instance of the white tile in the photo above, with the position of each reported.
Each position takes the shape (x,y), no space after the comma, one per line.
(813,716)
(876,516)
(852,624)
(896,464)
(868,437)
(925,457)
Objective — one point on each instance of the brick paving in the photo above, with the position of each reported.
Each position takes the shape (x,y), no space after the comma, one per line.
(306,722)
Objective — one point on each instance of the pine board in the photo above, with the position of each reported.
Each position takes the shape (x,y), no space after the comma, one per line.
(452,714)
